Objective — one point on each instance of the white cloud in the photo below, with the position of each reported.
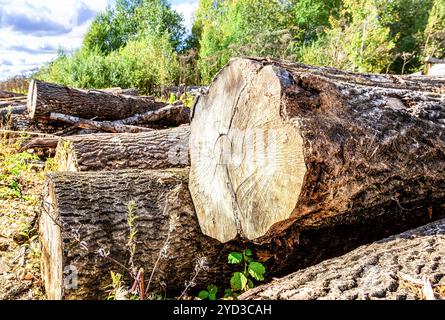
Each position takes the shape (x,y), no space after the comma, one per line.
(31,31)
(187,9)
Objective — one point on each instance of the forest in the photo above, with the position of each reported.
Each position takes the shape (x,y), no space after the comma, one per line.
(144,43)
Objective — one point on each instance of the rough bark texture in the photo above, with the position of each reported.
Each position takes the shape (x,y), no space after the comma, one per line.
(170,115)
(7,94)
(120,91)
(88,211)
(107,126)
(45,98)
(6,112)
(159,149)
(382,270)
(278,149)
(13,102)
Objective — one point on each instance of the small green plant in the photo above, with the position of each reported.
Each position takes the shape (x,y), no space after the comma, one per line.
(210,293)
(172,98)
(117,290)
(243,280)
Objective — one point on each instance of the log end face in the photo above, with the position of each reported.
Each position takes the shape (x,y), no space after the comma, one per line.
(51,247)
(31,99)
(252,153)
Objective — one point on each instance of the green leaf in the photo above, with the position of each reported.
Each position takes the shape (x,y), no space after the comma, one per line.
(250,284)
(248,253)
(228,293)
(257,270)
(235,258)
(212,289)
(238,281)
(203,294)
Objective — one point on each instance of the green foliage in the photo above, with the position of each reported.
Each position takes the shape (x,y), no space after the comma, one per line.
(140,43)
(358,40)
(145,64)
(435,31)
(241,280)
(15,169)
(210,293)
(131,20)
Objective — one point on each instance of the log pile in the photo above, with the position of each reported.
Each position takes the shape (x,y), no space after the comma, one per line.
(297,163)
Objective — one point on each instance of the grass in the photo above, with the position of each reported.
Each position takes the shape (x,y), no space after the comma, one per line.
(21,182)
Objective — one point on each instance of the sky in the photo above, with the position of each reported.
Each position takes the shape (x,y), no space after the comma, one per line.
(31,31)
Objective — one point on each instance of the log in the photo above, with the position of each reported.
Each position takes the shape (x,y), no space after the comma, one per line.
(12,102)
(159,149)
(46,98)
(6,112)
(390,269)
(170,115)
(8,94)
(278,147)
(88,212)
(40,143)
(107,126)
(120,91)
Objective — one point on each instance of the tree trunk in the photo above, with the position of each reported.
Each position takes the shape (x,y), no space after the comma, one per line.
(7,94)
(170,115)
(392,268)
(159,149)
(120,91)
(278,148)
(6,112)
(107,126)
(46,98)
(86,217)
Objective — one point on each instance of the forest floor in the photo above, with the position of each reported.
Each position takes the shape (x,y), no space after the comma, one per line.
(21,182)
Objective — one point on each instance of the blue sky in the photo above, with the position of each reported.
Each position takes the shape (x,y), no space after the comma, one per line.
(31,31)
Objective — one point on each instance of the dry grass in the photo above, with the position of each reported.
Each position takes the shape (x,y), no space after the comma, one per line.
(21,182)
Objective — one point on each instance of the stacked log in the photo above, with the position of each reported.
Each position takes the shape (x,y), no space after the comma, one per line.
(45,98)
(295,162)
(158,149)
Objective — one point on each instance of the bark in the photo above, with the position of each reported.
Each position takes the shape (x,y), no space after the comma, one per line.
(278,148)
(40,143)
(172,115)
(85,212)
(120,91)
(107,126)
(13,102)
(45,98)
(159,149)
(7,94)
(392,268)
(6,112)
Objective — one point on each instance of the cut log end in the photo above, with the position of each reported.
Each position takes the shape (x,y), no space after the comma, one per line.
(243,149)
(51,246)
(32,99)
